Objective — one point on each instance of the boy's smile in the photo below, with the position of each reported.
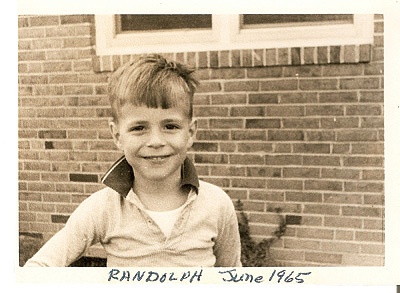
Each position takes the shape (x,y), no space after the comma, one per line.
(154,140)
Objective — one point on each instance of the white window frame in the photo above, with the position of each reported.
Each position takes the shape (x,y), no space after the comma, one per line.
(226,34)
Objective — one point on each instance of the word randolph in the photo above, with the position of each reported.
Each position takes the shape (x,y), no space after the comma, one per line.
(195,276)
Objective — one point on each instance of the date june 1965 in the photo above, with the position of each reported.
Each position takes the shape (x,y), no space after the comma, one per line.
(283,276)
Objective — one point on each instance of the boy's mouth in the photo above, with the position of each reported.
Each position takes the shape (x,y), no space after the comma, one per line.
(156,158)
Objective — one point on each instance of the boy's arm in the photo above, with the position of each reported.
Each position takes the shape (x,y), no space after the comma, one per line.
(79,233)
(227,247)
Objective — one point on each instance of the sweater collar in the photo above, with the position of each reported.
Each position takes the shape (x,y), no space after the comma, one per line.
(120,176)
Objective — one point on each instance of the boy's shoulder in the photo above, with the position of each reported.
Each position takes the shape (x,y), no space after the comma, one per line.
(102,198)
(212,191)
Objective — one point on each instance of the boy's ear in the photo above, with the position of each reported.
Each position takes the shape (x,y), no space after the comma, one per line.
(114,132)
(192,132)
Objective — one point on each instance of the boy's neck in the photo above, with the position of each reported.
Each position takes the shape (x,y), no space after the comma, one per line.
(160,195)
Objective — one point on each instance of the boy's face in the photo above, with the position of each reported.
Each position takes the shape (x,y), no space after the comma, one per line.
(154,140)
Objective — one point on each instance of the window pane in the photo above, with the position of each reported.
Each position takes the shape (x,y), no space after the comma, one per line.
(249,20)
(152,22)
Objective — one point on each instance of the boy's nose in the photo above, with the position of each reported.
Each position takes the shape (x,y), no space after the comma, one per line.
(156,139)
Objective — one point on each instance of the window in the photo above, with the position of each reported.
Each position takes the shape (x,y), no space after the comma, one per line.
(167,33)
(265,20)
(162,22)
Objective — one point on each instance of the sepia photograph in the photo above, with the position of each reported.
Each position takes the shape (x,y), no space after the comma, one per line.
(226,140)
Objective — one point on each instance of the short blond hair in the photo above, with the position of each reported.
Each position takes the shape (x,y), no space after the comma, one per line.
(154,82)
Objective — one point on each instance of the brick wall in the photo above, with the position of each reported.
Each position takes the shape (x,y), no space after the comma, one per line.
(300,129)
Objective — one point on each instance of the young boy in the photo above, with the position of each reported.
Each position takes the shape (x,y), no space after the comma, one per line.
(155,212)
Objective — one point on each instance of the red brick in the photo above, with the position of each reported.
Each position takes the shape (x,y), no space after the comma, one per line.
(302,71)
(318,84)
(374,199)
(364,110)
(211,111)
(365,53)
(213,135)
(373,175)
(372,122)
(321,257)
(344,235)
(363,187)
(247,111)
(363,161)
(247,58)
(228,73)
(258,57)
(238,86)
(300,123)
(340,173)
(263,98)
(303,197)
(69,187)
(306,232)
(284,184)
(342,70)
(282,160)
(374,224)
(343,222)
(339,122)
(322,55)
(294,243)
(263,172)
(361,260)
(309,55)
(368,148)
(248,183)
(373,249)
(235,58)
(249,147)
(301,172)
(323,185)
(228,99)
(257,206)
(247,159)
(357,135)
(324,110)
(270,56)
(349,53)
(249,135)
(64,166)
(359,83)
(44,20)
(370,236)
(321,160)
(334,54)
(338,97)
(264,72)
(285,135)
(229,147)
(273,207)
(340,247)
(73,19)
(298,97)
(262,123)
(203,59)
(359,211)
(283,56)
(227,171)
(311,148)
(279,85)
(285,111)
(295,56)
(266,196)
(190,59)
(211,158)
(213,59)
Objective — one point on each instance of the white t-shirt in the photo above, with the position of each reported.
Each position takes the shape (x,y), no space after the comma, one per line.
(166,219)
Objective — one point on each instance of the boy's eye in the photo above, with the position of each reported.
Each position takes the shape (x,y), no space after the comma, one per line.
(137,128)
(172,126)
